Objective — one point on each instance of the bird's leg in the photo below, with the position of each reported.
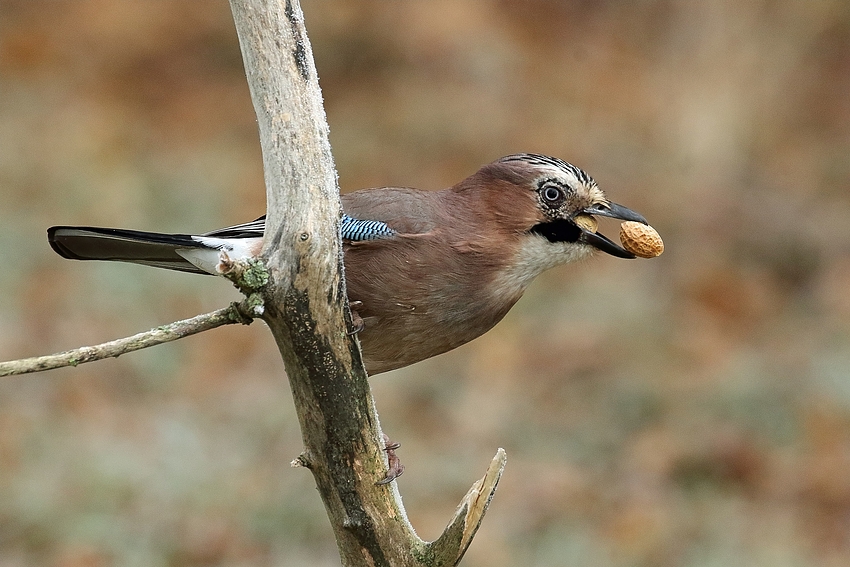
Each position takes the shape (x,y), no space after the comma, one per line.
(395,468)
(357,323)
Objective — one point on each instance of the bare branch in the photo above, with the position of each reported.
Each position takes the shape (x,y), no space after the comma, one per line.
(298,287)
(305,307)
(235,313)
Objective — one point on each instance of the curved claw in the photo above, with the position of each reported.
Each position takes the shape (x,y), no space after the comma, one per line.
(395,469)
(357,323)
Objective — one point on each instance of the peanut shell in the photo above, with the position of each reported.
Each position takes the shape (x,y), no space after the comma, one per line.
(641,240)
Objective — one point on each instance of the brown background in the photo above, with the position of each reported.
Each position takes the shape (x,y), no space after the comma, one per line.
(692,410)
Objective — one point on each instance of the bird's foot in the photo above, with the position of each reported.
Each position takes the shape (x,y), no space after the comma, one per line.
(395,468)
(357,323)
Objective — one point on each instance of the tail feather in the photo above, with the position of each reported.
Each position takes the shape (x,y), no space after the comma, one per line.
(137,247)
(184,252)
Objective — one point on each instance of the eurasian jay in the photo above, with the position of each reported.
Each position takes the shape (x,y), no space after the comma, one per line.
(426,271)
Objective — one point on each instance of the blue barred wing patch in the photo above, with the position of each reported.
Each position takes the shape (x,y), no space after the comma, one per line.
(356,230)
(353,229)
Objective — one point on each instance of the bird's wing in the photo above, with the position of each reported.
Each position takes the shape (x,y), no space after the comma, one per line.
(369,214)
(354,230)
(401,210)
(253,229)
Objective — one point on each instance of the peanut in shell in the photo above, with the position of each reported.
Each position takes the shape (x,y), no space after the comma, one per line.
(641,239)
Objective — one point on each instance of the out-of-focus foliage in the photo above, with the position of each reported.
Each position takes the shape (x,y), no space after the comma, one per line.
(689,410)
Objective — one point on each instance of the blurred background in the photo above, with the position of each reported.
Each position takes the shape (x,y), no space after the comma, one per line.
(692,410)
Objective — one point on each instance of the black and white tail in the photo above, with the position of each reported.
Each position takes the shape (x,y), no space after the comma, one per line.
(197,254)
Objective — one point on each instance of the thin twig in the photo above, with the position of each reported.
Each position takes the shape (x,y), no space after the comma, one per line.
(235,313)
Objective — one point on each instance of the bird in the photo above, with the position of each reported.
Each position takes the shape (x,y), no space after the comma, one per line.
(426,271)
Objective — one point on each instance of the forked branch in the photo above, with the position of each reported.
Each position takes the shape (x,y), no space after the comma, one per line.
(306,309)
(298,288)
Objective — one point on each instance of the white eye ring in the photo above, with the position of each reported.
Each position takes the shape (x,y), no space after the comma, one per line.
(552,194)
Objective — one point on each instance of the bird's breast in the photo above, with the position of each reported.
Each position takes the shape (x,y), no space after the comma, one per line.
(420,297)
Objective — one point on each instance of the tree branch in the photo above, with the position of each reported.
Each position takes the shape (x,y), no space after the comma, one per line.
(306,307)
(448,549)
(298,288)
(235,313)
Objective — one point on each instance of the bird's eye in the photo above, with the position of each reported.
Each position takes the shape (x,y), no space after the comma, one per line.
(553,194)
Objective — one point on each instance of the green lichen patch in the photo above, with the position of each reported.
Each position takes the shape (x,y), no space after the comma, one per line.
(255,276)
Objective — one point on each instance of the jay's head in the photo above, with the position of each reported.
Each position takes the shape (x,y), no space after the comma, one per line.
(543,209)
(551,204)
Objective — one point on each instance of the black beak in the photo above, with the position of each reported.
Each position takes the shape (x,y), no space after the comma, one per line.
(598,240)
(615,211)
